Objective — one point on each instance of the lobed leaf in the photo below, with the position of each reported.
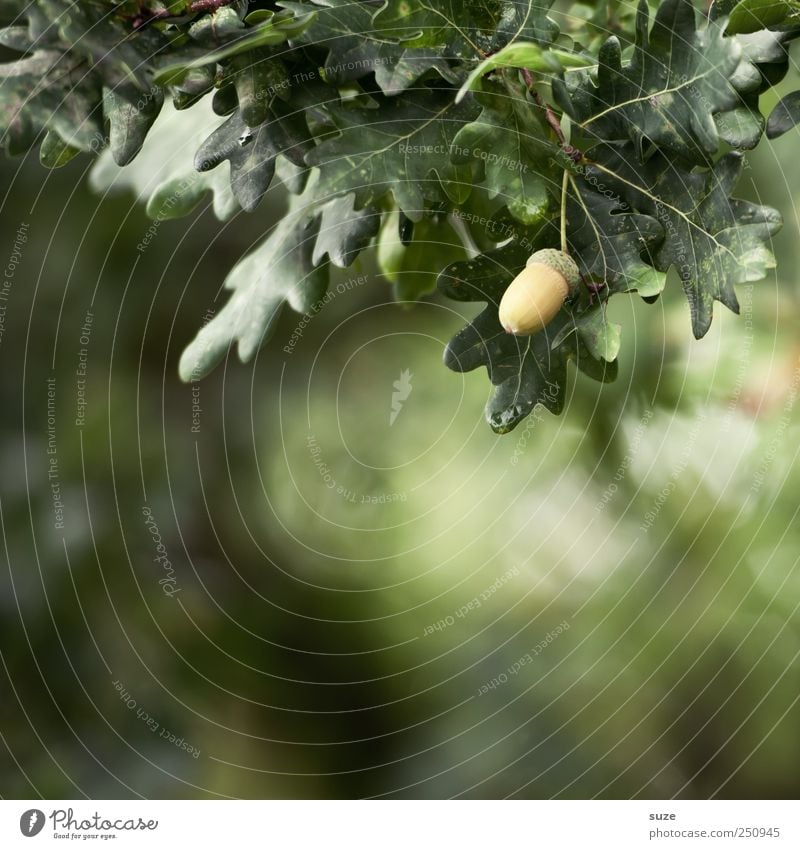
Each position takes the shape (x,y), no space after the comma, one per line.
(402,148)
(667,94)
(524,370)
(712,240)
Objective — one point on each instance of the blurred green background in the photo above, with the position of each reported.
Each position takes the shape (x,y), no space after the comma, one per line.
(601,604)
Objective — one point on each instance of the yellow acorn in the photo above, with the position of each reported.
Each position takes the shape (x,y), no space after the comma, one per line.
(538,292)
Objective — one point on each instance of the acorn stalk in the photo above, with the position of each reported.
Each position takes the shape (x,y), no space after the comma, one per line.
(538,292)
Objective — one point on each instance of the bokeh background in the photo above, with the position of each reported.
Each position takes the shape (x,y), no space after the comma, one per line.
(601,604)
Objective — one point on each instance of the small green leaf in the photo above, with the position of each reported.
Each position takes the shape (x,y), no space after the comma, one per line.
(752,15)
(357,47)
(54,152)
(610,242)
(526,55)
(601,337)
(784,116)
(412,265)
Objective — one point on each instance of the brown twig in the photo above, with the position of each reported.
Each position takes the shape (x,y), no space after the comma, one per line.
(555,125)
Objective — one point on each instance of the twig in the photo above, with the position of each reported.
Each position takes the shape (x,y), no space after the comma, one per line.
(564,184)
(555,125)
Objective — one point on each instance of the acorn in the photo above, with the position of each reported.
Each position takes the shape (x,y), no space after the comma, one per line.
(538,292)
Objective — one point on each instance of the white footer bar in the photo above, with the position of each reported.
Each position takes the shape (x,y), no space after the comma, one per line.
(402,824)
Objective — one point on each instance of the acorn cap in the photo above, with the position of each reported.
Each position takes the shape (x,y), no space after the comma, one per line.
(562,263)
(537,293)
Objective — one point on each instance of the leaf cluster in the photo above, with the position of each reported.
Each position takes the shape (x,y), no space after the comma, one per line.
(456,137)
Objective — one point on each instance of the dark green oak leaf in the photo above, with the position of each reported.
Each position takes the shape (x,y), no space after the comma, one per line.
(119,61)
(612,244)
(510,142)
(784,116)
(764,63)
(402,147)
(129,123)
(667,94)
(403,41)
(396,68)
(711,239)
(524,370)
(80,51)
(748,16)
(223,35)
(356,47)
(252,151)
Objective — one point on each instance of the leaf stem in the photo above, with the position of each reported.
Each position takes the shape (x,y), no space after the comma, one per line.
(564,183)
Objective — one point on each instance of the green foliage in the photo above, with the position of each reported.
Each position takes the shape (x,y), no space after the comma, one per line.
(753,15)
(667,94)
(402,147)
(712,240)
(525,371)
(403,117)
